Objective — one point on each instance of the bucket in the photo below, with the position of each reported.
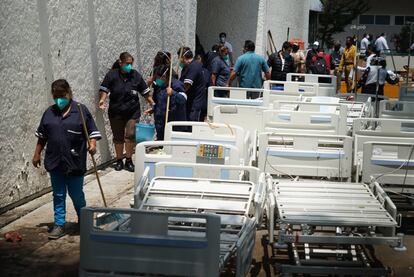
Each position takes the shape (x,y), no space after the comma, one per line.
(144,132)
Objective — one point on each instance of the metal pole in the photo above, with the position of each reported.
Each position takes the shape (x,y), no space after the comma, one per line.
(409,57)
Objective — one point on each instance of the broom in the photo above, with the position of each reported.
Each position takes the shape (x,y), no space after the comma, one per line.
(167,110)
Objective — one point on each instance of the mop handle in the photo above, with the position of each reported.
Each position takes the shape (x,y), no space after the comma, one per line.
(93,158)
(168,99)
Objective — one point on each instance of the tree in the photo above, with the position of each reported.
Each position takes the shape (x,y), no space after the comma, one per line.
(405,38)
(336,15)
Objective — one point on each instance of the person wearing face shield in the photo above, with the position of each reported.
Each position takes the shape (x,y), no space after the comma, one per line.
(61,130)
(178,99)
(223,40)
(220,71)
(123,84)
(281,63)
(347,63)
(194,78)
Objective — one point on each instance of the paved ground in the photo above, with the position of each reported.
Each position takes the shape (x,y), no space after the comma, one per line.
(35,255)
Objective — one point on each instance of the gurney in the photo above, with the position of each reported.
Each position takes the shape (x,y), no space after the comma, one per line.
(327,83)
(217,133)
(320,156)
(379,130)
(396,109)
(389,163)
(313,122)
(330,228)
(288,91)
(182,227)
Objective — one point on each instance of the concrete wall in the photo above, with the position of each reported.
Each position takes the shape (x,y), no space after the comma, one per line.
(77,40)
(280,15)
(237,18)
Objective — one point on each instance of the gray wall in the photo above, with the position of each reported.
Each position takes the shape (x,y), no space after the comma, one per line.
(77,40)
(237,18)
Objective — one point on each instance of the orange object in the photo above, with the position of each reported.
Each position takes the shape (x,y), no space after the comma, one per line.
(299,42)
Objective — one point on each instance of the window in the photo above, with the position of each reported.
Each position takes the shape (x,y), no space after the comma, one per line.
(399,20)
(409,19)
(366,19)
(382,20)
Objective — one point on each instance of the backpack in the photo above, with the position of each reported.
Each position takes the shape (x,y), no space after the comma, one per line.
(319,67)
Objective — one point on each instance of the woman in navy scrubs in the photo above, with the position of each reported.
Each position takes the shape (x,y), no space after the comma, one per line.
(61,130)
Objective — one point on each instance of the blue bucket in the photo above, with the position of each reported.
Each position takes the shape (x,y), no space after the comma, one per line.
(144,132)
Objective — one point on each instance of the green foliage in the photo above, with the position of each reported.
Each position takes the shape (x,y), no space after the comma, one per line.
(336,15)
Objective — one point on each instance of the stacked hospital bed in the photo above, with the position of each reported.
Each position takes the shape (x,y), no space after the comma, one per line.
(311,167)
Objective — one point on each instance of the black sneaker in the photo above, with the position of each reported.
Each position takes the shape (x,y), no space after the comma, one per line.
(129,165)
(57,232)
(119,165)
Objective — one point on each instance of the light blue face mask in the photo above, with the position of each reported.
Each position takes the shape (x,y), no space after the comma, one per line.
(61,102)
(226,57)
(182,65)
(127,68)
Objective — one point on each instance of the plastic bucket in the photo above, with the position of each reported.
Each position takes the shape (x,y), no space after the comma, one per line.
(144,132)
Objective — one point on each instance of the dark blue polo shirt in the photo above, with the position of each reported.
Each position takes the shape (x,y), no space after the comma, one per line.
(193,75)
(65,140)
(123,89)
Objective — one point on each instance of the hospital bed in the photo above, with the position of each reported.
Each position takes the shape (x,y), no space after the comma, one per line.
(396,109)
(389,163)
(289,91)
(330,228)
(327,83)
(236,96)
(207,133)
(407,94)
(308,155)
(182,151)
(314,122)
(180,227)
(379,130)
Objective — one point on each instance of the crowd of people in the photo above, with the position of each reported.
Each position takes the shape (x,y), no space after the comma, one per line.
(63,125)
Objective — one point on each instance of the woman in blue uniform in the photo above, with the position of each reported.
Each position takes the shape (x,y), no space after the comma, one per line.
(178,99)
(61,130)
(123,85)
(194,79)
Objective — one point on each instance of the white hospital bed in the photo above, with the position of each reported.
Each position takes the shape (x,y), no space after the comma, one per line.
(396,109)
(389,163)
(207,133)
(287,154)
(379,130)
(279,90)
(314,122)
(327,83)
(182,227)
(182,151)
(328,228)
(236,96)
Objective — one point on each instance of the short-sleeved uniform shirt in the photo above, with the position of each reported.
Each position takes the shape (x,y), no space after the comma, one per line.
(123,92)
(194,75)
(65,139)
(221,69)
(249,66)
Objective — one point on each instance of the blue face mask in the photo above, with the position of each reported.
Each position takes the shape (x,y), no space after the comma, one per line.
(226,57)
(182,65)
(61,102)
(127,68)
(160,83)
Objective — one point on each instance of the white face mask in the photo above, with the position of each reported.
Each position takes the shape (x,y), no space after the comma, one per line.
(222,39)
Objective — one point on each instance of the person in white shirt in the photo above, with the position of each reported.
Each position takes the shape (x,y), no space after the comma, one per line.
(370,55)
(381,44)
(364,45)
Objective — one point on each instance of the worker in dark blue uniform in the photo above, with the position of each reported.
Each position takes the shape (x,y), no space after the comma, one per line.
(178,99)
(123,84)
(61,130)
(193,77)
